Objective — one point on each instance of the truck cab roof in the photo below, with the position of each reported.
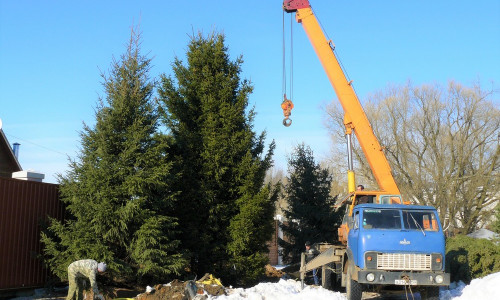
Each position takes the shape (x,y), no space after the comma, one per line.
(394,206)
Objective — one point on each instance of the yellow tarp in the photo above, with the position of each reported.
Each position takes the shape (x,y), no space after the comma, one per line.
(209,279)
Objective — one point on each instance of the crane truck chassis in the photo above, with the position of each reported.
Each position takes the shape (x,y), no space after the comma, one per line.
(388,245)
(384,243)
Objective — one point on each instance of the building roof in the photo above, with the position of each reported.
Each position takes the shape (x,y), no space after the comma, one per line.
(8,161)
(483,234)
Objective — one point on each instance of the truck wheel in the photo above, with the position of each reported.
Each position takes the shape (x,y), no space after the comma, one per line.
(430,293)
(353,288)
(326,277)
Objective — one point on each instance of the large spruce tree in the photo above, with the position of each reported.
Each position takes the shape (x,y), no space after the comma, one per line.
(310,214)
(225,212)
(118,192)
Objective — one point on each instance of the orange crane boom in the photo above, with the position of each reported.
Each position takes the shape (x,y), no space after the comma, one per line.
(355,118)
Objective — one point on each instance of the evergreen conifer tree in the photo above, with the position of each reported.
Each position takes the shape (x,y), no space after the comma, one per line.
(496,223)
(224,211)
(310,214)
(118,192)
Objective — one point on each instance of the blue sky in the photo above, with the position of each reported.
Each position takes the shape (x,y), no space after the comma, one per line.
(52,54)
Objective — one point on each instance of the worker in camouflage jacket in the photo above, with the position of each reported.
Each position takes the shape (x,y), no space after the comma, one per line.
(78,271)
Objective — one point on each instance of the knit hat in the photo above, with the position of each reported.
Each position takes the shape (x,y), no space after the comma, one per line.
(101,267)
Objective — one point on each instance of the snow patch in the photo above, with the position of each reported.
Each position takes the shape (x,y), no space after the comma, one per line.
(486,288)
(283,290)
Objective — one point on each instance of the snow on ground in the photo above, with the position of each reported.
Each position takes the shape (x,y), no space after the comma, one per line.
(486,288)
(283,290)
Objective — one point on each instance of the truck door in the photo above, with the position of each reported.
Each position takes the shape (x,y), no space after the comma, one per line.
(352,238)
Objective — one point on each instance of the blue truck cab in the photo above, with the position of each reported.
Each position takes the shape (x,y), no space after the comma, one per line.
(397,244)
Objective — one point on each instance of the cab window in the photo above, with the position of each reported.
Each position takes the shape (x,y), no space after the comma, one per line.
(356,220)
(420,220)
(381,219)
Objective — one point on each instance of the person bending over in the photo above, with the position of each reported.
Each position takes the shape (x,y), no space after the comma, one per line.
(78,271)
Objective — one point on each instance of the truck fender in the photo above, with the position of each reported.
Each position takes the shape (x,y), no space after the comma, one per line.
(348,258)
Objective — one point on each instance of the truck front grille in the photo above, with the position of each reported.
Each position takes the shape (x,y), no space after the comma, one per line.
(406,261)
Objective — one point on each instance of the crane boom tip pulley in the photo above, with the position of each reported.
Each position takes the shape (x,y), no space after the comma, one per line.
(293,5)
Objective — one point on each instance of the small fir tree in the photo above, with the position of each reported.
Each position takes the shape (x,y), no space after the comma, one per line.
(118,192)
(310,214)
(225,213)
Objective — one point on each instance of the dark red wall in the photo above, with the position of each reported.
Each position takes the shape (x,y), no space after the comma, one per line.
(23,205)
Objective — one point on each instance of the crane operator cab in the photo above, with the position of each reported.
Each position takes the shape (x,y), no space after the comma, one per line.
(362,197)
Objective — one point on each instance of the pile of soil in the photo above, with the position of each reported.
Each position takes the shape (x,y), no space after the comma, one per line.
(182,290)
(272,272)
(177,289)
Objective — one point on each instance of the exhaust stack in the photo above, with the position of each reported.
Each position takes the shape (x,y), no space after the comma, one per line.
(15,149)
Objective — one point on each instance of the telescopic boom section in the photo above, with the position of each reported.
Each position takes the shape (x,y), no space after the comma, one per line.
(354,114)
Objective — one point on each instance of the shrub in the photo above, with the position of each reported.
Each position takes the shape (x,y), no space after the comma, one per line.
(468,258)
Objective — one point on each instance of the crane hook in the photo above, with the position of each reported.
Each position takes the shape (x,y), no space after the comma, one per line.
(287,106)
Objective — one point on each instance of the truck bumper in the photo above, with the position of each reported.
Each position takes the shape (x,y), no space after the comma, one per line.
(403,278)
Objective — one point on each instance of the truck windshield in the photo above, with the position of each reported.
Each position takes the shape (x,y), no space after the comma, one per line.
(381,219)
(420,220)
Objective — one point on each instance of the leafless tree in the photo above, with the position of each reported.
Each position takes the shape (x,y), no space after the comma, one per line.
(442,145)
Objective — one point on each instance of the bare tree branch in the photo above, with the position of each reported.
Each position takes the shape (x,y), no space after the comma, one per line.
(442,145)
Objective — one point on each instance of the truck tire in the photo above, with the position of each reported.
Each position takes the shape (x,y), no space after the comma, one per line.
(353,288)
(430,293)
(328,276)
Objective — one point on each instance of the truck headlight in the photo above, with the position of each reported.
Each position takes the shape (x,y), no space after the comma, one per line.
(370,277)
(439,278)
